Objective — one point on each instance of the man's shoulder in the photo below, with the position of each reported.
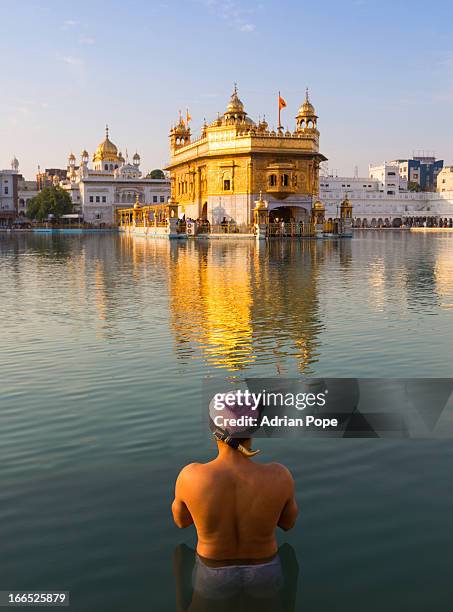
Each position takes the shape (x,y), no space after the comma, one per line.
(279,470)
(188,470)
(196,476)
(195,469)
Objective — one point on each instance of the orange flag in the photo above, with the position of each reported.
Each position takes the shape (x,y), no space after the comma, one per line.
(281,104)
(188,117)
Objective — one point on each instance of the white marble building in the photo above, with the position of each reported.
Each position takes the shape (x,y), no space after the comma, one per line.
(26,190)
(8,193)
(375,205)
(110,183)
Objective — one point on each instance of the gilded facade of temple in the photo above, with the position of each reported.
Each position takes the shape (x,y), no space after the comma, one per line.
(220,175)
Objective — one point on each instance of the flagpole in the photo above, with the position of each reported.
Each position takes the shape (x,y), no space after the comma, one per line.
(279,111)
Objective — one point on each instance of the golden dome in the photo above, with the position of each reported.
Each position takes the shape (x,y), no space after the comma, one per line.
(262,125)
(318,205)
(260,203)
(307,109)
(84,153)
(346,202)
(180,128)
(235,105)
(106,151)
(72,156)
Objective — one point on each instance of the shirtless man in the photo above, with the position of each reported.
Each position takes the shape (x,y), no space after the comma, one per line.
(235,505)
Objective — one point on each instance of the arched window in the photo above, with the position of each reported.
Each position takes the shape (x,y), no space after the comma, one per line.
(106,166)
(226,185)
(285,180)
(272,180)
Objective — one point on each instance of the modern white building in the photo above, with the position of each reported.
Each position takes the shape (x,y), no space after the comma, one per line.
(110,183)
(388,176)
(420,171)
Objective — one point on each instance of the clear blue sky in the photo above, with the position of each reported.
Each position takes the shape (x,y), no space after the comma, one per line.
(380,74)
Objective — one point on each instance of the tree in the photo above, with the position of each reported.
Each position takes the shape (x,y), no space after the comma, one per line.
(50,201)
(156,174)
(411,186)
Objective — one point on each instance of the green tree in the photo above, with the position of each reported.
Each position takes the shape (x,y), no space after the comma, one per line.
(155,174)
(413,186)
(50,201)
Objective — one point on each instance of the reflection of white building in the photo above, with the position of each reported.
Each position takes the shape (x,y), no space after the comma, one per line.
(112,182)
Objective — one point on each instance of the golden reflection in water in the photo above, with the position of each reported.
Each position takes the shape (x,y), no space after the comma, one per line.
(241,301)
(377,284)
(211,300)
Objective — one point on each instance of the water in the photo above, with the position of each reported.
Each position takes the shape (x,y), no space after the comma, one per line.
(105,341)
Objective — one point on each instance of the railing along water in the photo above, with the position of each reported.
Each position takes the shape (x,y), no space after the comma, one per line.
(291,229)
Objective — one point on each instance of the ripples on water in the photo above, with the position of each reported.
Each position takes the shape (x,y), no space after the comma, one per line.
(105,340)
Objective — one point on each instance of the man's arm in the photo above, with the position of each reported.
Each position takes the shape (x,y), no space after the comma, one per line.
(290,510)
(181,514)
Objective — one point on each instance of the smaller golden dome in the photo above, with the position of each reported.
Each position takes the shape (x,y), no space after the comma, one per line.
(137,203)
(180,128)
(235,105)
(307,109)
(84,153)
(260,203)
(72,156)
(263,125)
(346,202)
(318,205)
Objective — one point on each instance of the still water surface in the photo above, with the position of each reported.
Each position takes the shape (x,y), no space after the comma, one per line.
(105,341)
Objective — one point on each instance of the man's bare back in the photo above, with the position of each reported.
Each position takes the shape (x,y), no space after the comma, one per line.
(236,505)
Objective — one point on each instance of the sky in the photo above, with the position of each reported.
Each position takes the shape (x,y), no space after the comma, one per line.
(380,74)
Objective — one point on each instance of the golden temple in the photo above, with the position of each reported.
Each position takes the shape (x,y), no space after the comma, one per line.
(219,175)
